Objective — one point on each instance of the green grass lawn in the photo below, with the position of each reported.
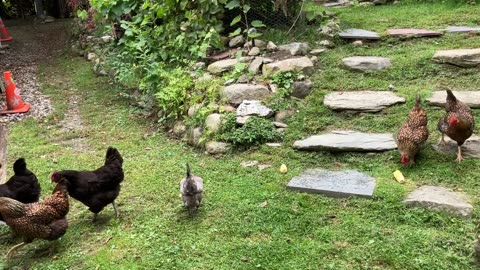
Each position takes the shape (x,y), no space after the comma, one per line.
(233,230)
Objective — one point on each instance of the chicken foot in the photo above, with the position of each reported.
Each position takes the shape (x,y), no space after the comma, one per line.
(115,209)
(12,251)
(442,142)
(459,154)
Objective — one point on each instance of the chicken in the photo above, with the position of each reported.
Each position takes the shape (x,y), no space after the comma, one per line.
(413,134)
(458,124)
(191,188)
(96,189)
(46,220)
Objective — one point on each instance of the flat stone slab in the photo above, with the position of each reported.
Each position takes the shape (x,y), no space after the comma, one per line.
(298,64)
(339,3)
(236,93)
(412,32)
(338,184)
(471,98)
(354,33)
(440,199)
(253,107)
(366,63)
(470,149)
(347,141)
(460,57)
(361,101)
(462,29)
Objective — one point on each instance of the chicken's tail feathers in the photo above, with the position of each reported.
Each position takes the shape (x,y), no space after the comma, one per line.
(112,156)
(450,95)
(189,173)
(418,103)
(19,166)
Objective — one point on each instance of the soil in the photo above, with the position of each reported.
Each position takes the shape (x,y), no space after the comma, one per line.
(33,44)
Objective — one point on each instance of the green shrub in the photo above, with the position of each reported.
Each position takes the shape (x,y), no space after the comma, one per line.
(255,131)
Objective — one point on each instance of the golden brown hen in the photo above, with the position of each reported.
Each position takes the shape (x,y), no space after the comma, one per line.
(46,220)
(458,124)
(413,134)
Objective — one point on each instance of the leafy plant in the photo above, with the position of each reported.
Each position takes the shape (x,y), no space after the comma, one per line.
(256,130)
(249,28)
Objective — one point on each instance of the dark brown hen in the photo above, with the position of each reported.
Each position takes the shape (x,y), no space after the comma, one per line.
(413,134)
(46,220)
(458,124)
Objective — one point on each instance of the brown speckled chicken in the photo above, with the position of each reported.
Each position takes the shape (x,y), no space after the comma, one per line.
(413,134)
(458,124)
(46,220)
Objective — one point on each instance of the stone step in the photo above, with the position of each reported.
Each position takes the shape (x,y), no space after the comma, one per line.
(412,32)
(347,141)
(354,33)
(366,63)
(470,149)
(338,184)
(440,199)
(361,101)
(459,57)
(471,98)
(462,29)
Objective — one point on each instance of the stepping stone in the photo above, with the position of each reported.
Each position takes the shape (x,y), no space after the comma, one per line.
(440,199)
(338,184)
(339,3)
(347,141)
(470,149)
(412,32)
(361,101)
(358,34)
(462,29)
(471,98)
(298,64)
(461,57)
(366,63)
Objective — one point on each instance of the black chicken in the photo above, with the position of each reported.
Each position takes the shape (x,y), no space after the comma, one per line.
(96,189)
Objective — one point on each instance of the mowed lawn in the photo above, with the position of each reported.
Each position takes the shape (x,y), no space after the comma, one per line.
(248,219)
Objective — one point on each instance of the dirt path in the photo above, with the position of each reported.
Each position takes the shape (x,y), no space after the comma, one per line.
(32,44)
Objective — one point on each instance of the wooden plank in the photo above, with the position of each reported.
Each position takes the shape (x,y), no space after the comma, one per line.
(3,153)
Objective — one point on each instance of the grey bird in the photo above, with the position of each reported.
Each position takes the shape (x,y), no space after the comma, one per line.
(191,188)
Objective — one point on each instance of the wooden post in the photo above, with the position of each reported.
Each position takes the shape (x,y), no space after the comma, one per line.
(3,153)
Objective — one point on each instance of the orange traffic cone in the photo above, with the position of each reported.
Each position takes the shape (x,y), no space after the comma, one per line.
(4,36)
(15,103)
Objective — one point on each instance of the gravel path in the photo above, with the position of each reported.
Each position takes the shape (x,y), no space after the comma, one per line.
(32,44)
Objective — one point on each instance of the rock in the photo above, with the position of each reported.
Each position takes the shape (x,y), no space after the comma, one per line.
(273,87)
(298,64)
(249,163)
(253,107)
(274,144)
(471,98)
(229,82)
(194,109)
(412,32)
(255,65)
(314,59)
(236,93)
(296,48)
(338,3)
(366,4)
(330,29)
(379,2)
(258,43)
(236,41)
(461,57)
(366,63)
(462,29)
(326,43)
(107,39)
(280,116)
(215,148)
(179,129)
(317,51)
(361,101)
(337,184)
(205,77)
(213,122)
(302,89)
(470,149)
(194,136)
(280,125)
(227,108)
(440,199)
(271,46)
(198,65)
(243,79)
(354,33)
(91,56)
(241,120)
(268,60)
(221,66)
(347,141)
(281,130)
(357,43)
(262,167)
(254,51)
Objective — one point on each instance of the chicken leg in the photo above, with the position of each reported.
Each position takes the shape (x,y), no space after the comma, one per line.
(115,209)
(459,154)
(442,142)
(94,218)
(14,249)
